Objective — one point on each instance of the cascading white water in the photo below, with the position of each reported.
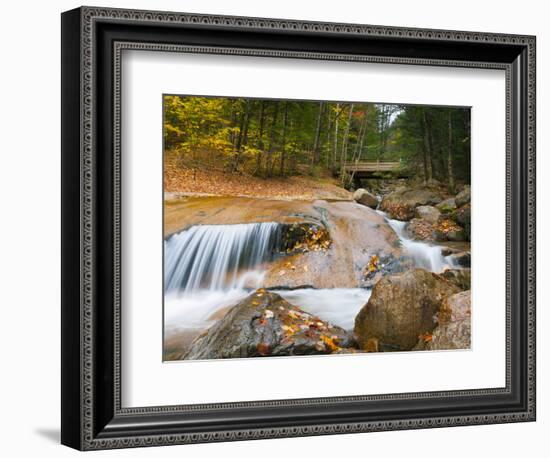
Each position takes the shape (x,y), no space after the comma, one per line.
(424,255)
(211,268)
(216,257)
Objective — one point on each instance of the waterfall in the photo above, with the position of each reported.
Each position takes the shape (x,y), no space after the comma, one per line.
(424,255)
(218,257)
(210,268)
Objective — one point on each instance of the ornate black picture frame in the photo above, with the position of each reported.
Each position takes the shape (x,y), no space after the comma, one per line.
(92,42)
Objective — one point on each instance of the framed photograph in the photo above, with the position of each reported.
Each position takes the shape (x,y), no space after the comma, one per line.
(276,228)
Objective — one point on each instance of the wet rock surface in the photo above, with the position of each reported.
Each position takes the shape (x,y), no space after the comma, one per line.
(357,234)
(264,324)
(378,267)
(187,211)
(461,258)
(401,308)
(304,237)
(348,235)
(454,247)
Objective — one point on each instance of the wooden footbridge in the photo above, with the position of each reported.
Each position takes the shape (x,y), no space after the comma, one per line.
(370,169)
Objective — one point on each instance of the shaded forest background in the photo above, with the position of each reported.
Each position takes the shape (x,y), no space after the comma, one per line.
(281,138)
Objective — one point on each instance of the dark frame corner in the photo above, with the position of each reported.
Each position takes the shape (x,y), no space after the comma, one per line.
(92,40)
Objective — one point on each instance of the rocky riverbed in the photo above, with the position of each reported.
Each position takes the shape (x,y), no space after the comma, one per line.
(343,276)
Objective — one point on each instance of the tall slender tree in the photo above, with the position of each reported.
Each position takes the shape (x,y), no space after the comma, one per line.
(426,150)
(243,134)
(283,140)
(336,124)
(344,153)
(450,173)
(272,142)
(318,133)
(260,151)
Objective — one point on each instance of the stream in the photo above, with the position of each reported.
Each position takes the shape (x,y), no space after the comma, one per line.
(425,255)
(210,268)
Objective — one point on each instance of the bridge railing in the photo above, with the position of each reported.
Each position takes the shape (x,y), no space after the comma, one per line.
(371,166)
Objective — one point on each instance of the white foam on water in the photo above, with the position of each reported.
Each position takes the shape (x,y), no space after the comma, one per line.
(424,255)
(338,306)
(197,310)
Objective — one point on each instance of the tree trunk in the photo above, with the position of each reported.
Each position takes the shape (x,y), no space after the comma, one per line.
(431,150)
(426,148)
(318,134)
(269,159)
(283,141)
(260,139)
(450,154)
(345,140)
(244,141)
(383,134)
(328,140)
(243,135)
(344,153)
(232,123)
(359,145)
(239,138)
(467,138)
(335,151)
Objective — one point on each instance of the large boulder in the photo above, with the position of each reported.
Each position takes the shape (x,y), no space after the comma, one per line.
(460,277)
(447,229)
(452,336)
(463,217)
(447,205)
(401,308)
(264,324)
(454,235)
(463,197)
(363,197)
(454,325)
(357,234)
(401,203)
(460,259)
(455,307)
(449,248)
(427,213)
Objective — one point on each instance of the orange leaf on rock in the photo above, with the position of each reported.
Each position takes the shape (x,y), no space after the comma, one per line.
(427,337)
(329,343)
(263,349)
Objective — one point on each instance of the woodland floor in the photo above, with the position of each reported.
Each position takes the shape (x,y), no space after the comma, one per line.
(189,181)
